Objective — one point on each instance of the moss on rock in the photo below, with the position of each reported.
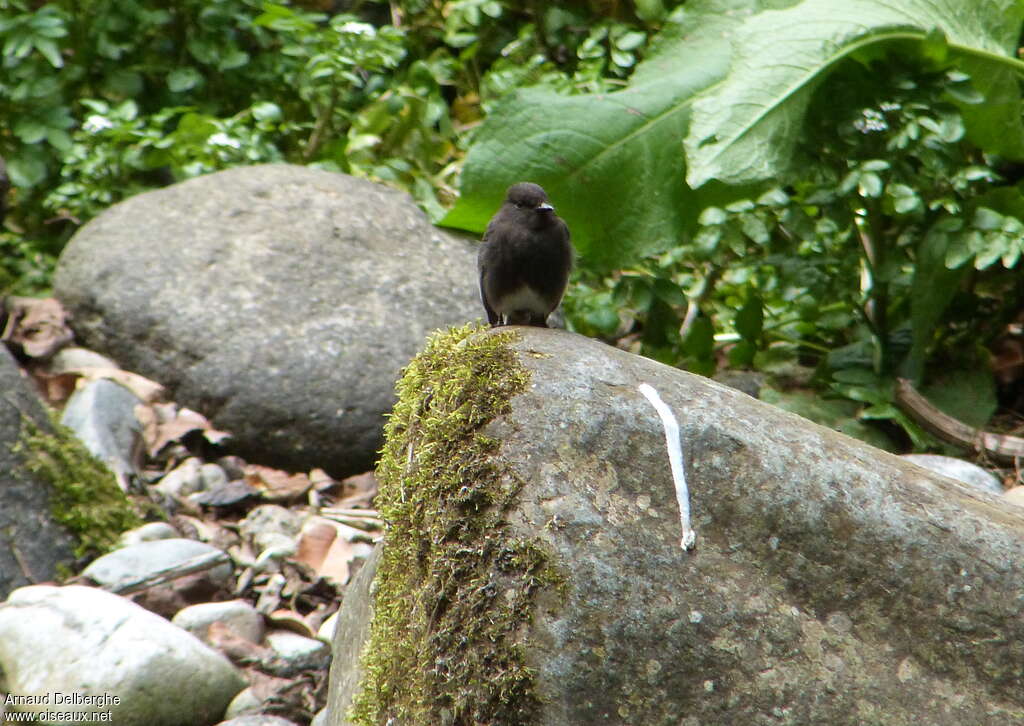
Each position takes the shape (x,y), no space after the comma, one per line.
(85,497)
(455,587)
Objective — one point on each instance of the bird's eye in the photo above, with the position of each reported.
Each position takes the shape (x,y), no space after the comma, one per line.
(519,205)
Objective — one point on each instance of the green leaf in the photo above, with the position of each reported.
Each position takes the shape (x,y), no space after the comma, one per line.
(592,153)
(183,79)
(669,292)
(750,318)
(741,355)
(700,339)
(933,287)
(746,128)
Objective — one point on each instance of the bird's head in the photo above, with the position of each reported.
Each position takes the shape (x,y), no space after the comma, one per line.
(530,203)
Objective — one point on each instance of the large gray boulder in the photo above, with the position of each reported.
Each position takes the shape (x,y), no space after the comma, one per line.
(280,301)
(533,571)
(33,545)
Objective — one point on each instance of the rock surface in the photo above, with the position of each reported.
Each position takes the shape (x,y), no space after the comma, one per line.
(280,301)
(833,583)
(350,634)
(89,642)
(33,545)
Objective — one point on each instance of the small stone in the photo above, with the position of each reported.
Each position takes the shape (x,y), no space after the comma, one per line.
(149,532)
(102,415)
(211,475)
(1015,496)
(326,631)
(244,704)
(299,651)
(183,480)
(225,495)
(964,471)
(238,615)
(257,719)
(130,563)
(73,358)
(269,524)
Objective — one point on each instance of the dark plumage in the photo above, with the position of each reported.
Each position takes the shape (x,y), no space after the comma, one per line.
(525,259)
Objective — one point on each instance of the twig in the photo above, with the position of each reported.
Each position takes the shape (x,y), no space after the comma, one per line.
(953,431)
(675,460)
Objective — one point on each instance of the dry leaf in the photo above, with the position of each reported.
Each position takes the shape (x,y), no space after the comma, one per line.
(336,567)
(358,491)
(55,388)
(166,423)
(276,485)
(291,621)
(147,390)
(315,540)
(36,326)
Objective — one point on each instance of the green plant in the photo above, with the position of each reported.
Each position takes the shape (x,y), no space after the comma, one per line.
(838,200)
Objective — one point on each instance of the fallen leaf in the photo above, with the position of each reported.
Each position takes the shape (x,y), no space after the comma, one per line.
(276,485)
(315,540)
(167,423)
(358,491)
(291,621)
(147,390)
(35,326)
(336,567)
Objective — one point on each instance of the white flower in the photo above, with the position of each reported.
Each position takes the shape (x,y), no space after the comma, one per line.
(222,139)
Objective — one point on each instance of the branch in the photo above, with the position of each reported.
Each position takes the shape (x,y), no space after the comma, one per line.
(954,431)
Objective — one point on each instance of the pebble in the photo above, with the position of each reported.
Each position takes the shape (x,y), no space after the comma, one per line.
(146,558)
(238,615)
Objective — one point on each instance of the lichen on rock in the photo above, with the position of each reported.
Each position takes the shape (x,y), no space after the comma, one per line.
(455,588)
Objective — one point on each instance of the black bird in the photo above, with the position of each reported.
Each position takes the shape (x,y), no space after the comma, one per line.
(524,260)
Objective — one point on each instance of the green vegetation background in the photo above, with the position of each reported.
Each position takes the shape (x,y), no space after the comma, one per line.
(825,192)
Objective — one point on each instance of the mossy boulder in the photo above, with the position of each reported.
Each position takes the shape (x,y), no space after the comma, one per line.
(532,572)
(57,502)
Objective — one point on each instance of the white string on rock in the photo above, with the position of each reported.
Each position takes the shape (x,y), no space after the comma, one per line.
(675,460)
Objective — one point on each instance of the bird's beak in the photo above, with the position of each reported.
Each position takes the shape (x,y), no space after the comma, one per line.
(545,207)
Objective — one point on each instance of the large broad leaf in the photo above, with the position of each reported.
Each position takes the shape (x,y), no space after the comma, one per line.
(611,163)
(746,128)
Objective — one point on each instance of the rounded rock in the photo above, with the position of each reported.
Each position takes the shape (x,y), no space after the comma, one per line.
(124,662)
(280,301)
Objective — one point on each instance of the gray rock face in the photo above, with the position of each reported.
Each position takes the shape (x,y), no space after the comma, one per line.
(832,583)
(350,635)
(84,642)
(33,544)
(280,301)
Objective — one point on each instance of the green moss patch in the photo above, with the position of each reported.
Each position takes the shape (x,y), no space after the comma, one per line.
(85,497)
(455,587)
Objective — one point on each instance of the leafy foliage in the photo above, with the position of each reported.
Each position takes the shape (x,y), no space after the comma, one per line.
(851,212)
(750,183)
(101,99)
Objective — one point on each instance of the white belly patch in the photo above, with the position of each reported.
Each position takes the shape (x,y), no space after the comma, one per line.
(523,298)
